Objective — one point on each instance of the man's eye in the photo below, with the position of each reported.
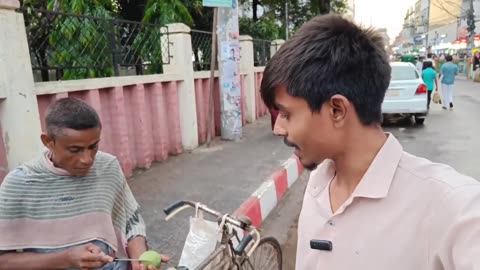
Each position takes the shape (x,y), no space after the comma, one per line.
(75,150)
(284,115)
(93,147)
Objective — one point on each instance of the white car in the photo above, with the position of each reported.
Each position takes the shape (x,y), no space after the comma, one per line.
(407,93)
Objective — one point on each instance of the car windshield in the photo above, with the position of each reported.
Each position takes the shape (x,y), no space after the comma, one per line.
(402,73)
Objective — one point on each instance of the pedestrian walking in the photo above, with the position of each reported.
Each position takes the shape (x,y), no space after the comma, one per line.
(368,203)
(419,64)
(430,58)
(448,72)
(429,76)
(476,61)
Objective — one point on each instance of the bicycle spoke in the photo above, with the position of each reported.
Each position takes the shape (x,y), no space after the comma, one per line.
(265,257)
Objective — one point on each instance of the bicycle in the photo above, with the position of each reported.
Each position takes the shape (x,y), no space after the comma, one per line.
(252,252)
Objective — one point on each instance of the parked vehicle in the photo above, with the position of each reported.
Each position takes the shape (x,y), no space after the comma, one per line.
(407,93)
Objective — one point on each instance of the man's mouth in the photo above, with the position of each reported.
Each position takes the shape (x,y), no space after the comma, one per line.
(290,144)
(83,169)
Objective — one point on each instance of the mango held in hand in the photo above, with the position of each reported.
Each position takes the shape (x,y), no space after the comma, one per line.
(151,258)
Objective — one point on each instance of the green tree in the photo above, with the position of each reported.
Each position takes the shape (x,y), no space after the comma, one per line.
(264,28)
(147,42)
(70,39)
(164,12)
(300,12)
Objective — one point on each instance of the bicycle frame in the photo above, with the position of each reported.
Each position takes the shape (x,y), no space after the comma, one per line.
(245,247)
(225,246)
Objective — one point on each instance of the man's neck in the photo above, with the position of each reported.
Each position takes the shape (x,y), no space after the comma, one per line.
(53,167)
(361,149)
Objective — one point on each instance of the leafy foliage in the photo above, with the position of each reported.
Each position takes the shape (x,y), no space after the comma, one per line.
(147,44)
(265,28)
(299,12)
(71,38)
(92,44)
(164,12)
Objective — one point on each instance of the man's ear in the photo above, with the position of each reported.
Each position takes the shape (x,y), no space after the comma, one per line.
(339,107)
(47,140)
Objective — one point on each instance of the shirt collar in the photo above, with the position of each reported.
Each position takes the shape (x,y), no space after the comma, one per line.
(47,157)
(379,176)
(377,180)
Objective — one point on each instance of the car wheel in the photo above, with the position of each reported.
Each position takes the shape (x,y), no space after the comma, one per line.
(419,121)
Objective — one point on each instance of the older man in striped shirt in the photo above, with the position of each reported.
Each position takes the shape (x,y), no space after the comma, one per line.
(71,208)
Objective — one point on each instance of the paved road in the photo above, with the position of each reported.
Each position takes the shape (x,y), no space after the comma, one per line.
(222,177)
(451,137)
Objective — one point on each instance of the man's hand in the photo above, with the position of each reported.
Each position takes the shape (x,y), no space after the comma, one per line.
(140,266)
(87,257)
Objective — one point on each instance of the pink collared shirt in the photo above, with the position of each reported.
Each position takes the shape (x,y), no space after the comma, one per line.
(406,213)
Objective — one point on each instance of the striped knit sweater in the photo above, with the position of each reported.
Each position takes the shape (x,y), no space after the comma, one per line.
(42,209)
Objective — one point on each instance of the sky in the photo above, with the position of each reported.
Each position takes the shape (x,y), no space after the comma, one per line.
(383,14)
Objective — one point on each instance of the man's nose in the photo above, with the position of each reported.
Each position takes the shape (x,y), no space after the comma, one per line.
(86,158)
(279,129)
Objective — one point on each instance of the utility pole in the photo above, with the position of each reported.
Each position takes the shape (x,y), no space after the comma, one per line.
(459,20)
(286,20)
(228,44)
(471,26)
(229,69)
(427,26)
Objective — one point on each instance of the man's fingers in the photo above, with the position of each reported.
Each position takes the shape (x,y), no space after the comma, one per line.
(92,265)
(165,259)
(143,267)
(93,248)
(97,257)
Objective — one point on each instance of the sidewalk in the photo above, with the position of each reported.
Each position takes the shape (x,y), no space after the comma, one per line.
(223,177)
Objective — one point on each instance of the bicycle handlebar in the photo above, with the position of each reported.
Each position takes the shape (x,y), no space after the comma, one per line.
(179,206)
(174,206)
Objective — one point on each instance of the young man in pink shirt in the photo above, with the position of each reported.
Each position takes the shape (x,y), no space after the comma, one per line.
(368,204)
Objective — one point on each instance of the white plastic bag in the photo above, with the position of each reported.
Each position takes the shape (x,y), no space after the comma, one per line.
(201,241)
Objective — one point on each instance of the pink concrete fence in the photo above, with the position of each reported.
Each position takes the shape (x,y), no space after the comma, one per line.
(261,109)
(202,88)
(140,122)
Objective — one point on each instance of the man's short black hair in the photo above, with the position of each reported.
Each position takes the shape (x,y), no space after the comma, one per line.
(427,64)
(331,55)
(449,58)
(70,113)
(429,55)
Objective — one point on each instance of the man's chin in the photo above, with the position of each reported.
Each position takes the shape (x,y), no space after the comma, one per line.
(308,165)
(80,173)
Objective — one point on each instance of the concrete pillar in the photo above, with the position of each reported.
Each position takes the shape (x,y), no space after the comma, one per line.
(247,67)
(19,114)
(275,46)
(181,63)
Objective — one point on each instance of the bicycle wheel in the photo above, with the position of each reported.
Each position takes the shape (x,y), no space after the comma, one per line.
(267,256)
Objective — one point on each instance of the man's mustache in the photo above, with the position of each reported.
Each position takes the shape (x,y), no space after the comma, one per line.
(288,143)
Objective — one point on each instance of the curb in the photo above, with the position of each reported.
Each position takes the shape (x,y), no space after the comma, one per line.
(268,195)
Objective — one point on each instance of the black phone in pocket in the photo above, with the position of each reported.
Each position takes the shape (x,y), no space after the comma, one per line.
(321,245)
